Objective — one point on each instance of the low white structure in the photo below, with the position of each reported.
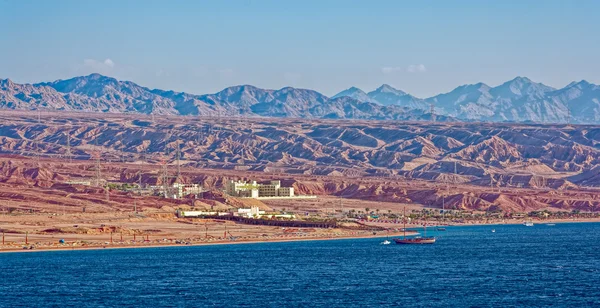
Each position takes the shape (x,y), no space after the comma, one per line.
(256,212)
(181,213)
(253,212)
(79,182)
(287,216)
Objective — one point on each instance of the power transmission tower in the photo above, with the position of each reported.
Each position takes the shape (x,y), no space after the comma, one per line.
(164,177)
(97,173)
(432,111)
(68,152)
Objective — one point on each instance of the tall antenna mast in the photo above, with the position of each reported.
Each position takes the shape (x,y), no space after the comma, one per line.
(97,156)
(37,146)
(177,153)
(122,147)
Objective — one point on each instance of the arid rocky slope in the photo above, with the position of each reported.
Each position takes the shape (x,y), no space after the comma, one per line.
(26,183)
(507,155)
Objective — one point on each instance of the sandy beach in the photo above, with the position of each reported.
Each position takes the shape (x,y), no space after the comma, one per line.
(152,233)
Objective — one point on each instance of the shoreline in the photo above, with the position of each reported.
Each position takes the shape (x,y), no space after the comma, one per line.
(282,240)
(224,242)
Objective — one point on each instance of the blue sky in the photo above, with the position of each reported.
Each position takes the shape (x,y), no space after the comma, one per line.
(422,47)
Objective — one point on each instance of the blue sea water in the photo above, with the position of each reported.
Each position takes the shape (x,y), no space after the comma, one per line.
(516,266)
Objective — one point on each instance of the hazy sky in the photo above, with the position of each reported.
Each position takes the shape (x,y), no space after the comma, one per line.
(422,47)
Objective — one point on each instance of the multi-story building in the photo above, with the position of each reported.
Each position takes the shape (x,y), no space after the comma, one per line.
(255,190)
(242,189)
(182,190)
(285,192)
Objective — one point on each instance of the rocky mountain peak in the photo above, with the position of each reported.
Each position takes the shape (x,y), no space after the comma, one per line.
(386,88)
(583,84)
(351,92)
(519,99)
(520,86)
(6,83)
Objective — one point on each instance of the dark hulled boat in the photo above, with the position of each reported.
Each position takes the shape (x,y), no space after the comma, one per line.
(414,240)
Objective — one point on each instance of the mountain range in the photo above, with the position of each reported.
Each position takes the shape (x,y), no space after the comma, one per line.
(517,100)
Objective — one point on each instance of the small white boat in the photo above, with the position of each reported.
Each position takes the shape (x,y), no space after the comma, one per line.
(493,230)
(528,224)
(386,242)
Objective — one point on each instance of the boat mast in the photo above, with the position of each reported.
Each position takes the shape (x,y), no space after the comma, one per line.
(425,226)
(404,223)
